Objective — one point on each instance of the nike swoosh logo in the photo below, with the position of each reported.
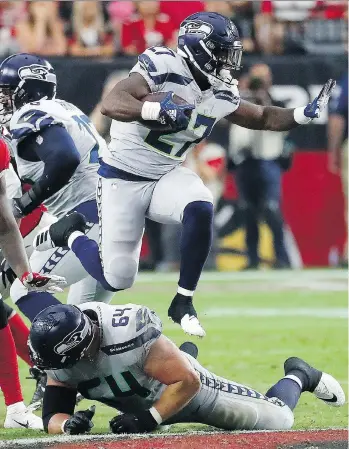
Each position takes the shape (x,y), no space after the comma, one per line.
(28,117)
(23,425)
(334,399)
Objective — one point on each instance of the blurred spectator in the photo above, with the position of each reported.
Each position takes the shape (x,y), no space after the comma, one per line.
(260,157)
(338,141)
(147,29)
(42,32)
(120,12)
(241,12)
(331,10)
(10,14)
(90,36)
(179,12)
(280,24)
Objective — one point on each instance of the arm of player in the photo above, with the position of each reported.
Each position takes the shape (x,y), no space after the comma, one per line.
(273,118)
(11,242)
(56,149)
(169,366)
(123,102)
(58,410)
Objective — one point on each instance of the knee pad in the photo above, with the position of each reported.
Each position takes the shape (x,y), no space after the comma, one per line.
(121,272)
(201,211)
(17,291)
(286,419)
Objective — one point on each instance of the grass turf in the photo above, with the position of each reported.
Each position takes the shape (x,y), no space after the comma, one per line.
(254,321)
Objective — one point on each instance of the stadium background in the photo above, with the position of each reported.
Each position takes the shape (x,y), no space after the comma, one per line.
(314,49)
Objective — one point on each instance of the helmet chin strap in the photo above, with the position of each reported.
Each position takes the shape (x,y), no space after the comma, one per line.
(225,82)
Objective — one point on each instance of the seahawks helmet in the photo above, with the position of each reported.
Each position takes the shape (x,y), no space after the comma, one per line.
(24,78)
(59,337)
(211,42)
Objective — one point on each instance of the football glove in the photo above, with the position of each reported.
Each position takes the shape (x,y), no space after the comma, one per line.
(141,423)
(36,282)
(314,109)
(175,116)
(80,422)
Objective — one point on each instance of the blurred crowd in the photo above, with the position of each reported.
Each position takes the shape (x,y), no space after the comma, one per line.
(109,28)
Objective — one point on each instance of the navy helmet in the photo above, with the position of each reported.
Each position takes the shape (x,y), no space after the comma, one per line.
(211,42)
(59,337)
(24,78)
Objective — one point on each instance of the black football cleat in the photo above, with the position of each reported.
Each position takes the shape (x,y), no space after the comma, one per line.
(323,385)
(190,348)
(58,233)
(182,312)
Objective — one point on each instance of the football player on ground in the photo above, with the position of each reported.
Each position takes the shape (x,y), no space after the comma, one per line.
(117,355)
(141,173)
(56,147)
(12,247)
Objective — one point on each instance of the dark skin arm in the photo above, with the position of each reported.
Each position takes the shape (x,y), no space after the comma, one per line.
(271,118)
(123,102)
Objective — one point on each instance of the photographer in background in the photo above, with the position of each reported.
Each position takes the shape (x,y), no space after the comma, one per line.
(260,157)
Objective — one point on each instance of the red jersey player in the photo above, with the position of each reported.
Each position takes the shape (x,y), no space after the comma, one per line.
(11,244)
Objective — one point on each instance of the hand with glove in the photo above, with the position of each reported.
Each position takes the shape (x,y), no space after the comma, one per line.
(314,109)
(36,282)
(172,115)
(80,422)
(142,422)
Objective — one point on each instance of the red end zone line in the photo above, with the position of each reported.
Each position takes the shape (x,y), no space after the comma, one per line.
(246,440)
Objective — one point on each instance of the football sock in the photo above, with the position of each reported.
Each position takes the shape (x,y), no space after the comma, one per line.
(9,376)
(86,250)
(195,243)
(20,334)
(35,302)
(288,390)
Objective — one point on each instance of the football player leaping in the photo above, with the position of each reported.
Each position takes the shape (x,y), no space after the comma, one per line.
(12,246)
(141,173)
(56,147)
(117,355)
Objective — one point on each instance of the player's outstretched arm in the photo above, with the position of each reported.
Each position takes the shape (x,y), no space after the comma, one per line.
(273,118)
(123,102)
(11,242)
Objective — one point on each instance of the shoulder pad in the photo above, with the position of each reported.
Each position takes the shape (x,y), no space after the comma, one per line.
(35,117)
(159,65)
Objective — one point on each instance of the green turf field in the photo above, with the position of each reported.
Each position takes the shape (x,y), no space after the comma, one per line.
(254,321)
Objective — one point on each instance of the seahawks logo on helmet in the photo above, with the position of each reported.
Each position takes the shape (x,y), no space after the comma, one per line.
(36,72)
(72,340)
(197,27)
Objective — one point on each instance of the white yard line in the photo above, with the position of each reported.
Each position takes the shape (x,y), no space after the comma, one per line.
(293,276)
(26,442)
(323,312)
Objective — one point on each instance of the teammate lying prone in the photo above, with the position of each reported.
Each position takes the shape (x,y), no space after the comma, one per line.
(117,355)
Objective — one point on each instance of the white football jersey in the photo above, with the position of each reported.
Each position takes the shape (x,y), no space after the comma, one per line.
(35,117)
(116,375)
(136,149)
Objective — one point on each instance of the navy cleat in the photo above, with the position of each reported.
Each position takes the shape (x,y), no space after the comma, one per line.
(190,348)
(323,385)
(58,233)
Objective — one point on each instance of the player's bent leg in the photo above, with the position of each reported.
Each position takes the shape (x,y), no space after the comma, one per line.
(181,197)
